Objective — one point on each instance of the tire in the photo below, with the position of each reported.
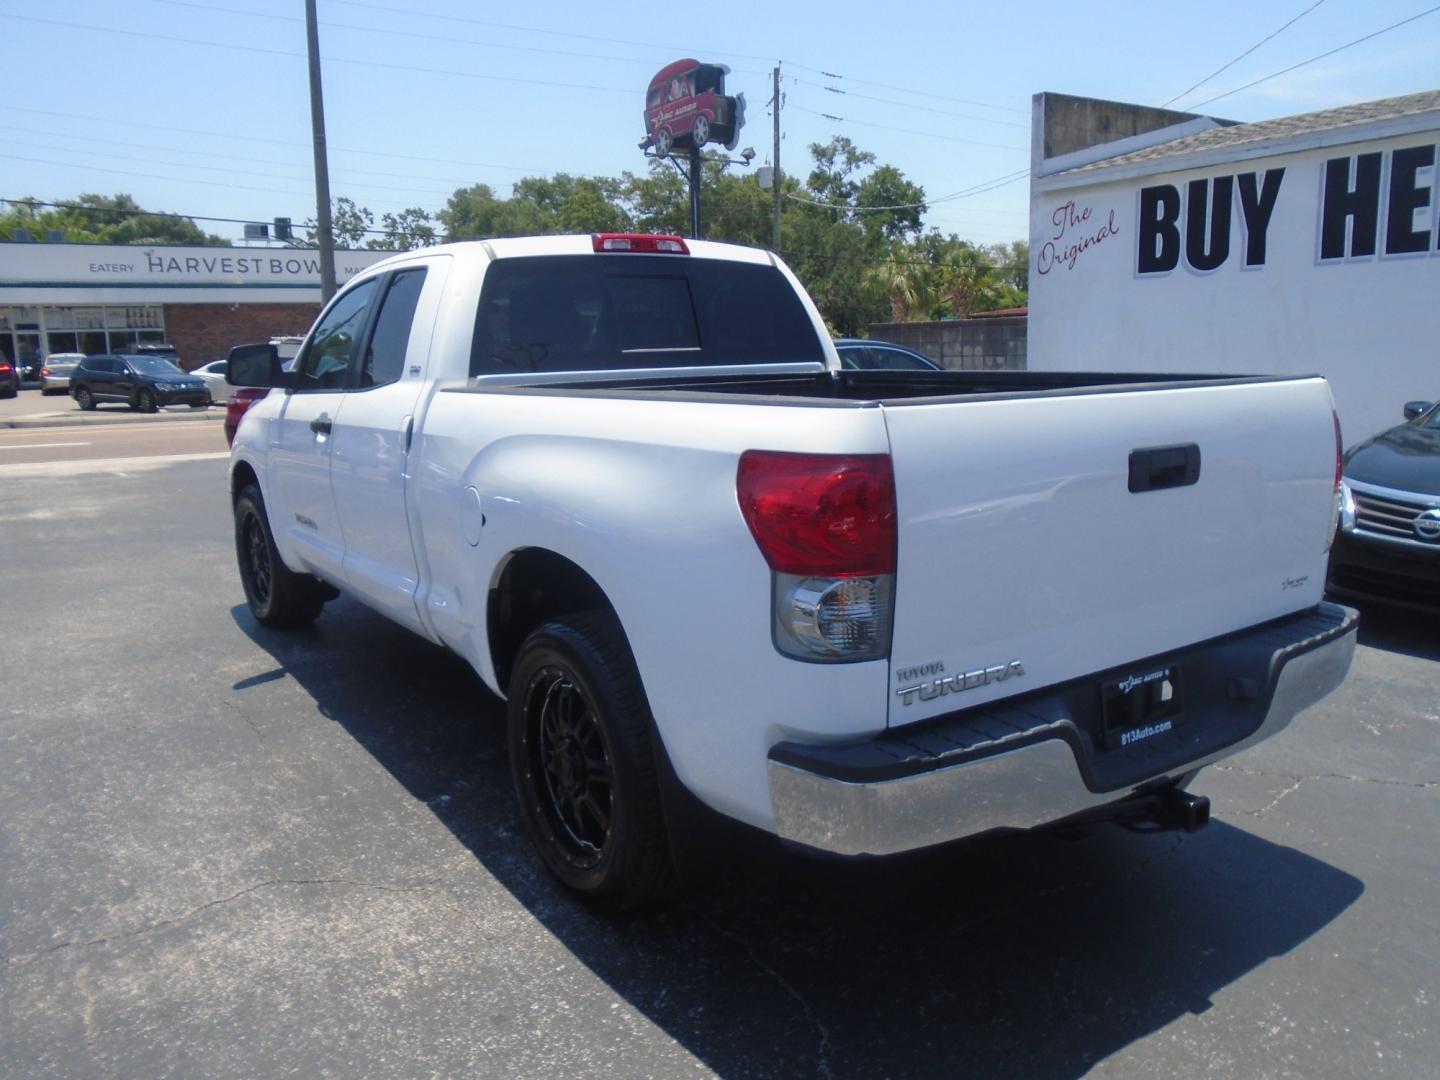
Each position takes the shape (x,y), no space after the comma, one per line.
(85,399)
(700,133)
(664,142)
(145,401)
(277,596)
(583,763)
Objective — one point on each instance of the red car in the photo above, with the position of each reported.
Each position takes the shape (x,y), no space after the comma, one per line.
(686,106)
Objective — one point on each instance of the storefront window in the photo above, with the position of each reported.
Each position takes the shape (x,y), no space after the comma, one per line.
(61,341)
(40,331)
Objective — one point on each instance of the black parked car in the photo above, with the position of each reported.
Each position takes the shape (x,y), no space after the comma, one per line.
(9,379)
(142,382)
(1388,547)
(858,354)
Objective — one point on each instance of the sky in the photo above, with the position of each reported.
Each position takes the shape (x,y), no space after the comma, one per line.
(202,106)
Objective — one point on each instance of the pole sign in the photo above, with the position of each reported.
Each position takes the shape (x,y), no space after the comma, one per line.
(686,108)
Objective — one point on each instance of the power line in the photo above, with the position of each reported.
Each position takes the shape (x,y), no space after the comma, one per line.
(978,189)
(908,131)
(668,47)
(80,207)
(447,39)
(276,142)
(227,169)
(410,13)
(1247,52)
(31,203)
(88,139)
(909,90)
(271,190)
(1322,56)
(908,105)
(147,35)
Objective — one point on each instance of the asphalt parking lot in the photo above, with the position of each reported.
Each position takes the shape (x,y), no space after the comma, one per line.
(231,852)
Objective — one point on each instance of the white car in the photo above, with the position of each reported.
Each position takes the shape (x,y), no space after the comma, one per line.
(214,375)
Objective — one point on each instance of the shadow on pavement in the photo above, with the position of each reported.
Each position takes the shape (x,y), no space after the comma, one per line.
(1409,633)
(1020,955)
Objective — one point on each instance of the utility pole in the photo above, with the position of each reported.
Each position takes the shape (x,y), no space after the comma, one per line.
(775,180)
(322,167)
(695,178)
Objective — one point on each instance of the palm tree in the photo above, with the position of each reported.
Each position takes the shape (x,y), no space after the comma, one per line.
(899,277)
(966,281)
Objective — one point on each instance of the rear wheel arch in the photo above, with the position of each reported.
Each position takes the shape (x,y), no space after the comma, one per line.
(535,586)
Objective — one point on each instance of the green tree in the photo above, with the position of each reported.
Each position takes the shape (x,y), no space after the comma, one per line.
(102,219)
(405,231)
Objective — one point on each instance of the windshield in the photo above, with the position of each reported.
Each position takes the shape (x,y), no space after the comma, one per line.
(612,312)
(152,365)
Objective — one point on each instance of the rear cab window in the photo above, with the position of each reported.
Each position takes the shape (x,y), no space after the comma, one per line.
(617,312)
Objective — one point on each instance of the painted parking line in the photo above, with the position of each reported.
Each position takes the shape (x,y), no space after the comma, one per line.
(41,445)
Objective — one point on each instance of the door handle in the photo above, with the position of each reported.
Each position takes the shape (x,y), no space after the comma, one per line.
(409,431)
(320,425)
(1159,467)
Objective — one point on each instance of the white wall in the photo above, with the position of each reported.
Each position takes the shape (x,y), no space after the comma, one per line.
(1368,323)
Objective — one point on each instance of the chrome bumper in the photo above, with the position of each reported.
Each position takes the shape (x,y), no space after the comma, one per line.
(1038,782)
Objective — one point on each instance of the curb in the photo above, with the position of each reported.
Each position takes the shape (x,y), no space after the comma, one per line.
(64,420)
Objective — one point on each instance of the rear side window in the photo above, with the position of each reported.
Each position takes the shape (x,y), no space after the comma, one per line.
(611,312)
(385,356)
(99,363)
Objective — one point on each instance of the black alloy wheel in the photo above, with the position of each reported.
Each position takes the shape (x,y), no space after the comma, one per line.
(275,594)
(84,398)
(256,565)
(583,762)
(145,401)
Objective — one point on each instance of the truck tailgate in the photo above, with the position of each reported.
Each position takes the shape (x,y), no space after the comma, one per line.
(1047,537)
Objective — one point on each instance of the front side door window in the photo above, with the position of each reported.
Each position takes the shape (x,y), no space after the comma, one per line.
(335,343)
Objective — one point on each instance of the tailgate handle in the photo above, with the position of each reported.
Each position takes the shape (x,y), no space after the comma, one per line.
(1157,467)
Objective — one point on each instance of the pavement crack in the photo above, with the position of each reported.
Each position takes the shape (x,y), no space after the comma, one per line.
(1299,779)
(826,1048)
(202,908)
(1286,793)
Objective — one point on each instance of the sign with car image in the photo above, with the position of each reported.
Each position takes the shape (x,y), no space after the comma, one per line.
(686,108)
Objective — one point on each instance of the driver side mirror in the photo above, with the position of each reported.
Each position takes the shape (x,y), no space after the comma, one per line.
(1415,408)
(254,365)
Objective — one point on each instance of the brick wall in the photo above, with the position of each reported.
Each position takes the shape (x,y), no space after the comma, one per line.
(204,332)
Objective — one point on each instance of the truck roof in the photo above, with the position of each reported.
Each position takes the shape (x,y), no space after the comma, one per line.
(574,244)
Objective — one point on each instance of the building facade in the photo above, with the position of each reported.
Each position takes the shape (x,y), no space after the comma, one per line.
(1171,242)
(94,298)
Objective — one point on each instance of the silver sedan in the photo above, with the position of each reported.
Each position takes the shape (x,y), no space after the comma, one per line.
(55,375)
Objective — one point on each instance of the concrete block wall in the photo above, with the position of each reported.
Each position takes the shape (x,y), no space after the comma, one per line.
(963,344)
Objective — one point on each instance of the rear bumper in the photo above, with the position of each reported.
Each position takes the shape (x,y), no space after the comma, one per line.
(1032,760)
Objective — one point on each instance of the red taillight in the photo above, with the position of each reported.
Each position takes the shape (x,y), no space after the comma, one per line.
(240,401)
(641,242)
(45,373)
(5,369)
(1339,450)
(820,515)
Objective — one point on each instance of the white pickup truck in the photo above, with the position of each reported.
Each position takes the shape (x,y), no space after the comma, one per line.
(626,478)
